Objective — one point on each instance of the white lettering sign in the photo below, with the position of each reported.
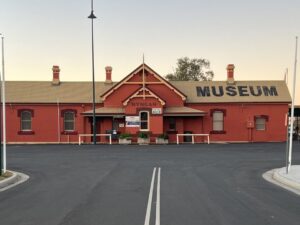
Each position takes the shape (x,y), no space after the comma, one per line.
(156,111)
(132,121)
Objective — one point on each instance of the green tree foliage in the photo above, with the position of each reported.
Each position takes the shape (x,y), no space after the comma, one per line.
(191,69)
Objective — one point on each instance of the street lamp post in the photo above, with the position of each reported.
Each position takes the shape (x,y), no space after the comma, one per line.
(92,17)
(288,166)
(3,151)
(0,132)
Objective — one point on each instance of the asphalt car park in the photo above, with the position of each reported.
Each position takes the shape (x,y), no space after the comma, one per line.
(152,184)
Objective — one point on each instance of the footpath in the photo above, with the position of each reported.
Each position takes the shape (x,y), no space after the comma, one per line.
(290,181)
(12,181)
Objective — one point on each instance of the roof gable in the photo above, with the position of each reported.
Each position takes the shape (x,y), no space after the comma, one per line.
(143,75)
(144,93)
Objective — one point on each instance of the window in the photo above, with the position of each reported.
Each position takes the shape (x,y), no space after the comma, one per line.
(260,123)
(218,121)
(26,117)
(69,123)
(172,123)
(144,120)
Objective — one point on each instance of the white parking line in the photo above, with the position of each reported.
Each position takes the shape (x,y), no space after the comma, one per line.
(157,219)
(148,211)
(149,205)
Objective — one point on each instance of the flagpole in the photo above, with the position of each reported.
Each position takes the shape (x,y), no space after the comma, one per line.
(292,111)
(3,111)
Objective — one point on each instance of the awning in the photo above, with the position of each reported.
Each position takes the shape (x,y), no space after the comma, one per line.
(105,111)
(169,111)
(182,111)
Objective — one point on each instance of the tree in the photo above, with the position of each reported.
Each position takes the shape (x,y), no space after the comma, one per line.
(191,69)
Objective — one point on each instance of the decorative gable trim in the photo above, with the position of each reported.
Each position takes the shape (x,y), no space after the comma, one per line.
(150,95)
(147,68)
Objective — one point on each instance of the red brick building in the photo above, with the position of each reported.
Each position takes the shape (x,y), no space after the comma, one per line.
(230,110)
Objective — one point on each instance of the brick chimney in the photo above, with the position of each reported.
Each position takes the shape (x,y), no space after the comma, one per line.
(230,73)
(108,70)
(55,80)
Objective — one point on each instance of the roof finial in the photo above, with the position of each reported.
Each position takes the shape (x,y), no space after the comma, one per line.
(143,58)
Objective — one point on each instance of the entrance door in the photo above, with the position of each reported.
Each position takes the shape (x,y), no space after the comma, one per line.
(98,128)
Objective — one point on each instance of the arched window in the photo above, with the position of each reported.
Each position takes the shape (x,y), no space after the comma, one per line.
(218,121)
(69,121)
(26,117)
(144,120)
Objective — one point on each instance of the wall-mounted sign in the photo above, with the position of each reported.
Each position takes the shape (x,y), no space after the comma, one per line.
(219,91)
(156,111)
(121,124)
(132,121)
(144,104)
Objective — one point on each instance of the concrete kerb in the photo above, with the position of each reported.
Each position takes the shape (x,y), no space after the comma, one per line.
(287,181)
(16,179)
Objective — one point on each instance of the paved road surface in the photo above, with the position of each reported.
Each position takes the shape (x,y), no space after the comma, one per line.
(110,185)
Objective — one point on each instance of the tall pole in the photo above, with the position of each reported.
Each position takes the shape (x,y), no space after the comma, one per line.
(92,17)
(292,111)
(3,156)
(1,164)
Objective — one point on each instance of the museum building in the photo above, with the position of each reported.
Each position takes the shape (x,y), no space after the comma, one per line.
(144,102)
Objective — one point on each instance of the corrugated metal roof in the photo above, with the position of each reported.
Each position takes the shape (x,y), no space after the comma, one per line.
(190,89)
(106,110)
(81,92)
(183,109)
(45,92)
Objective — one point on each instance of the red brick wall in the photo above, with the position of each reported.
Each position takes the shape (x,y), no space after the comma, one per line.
(235,121)
(45,123)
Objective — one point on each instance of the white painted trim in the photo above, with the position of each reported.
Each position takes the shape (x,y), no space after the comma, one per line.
(192,135)
(90,135)
(152,95)
(145,67)
(148,121)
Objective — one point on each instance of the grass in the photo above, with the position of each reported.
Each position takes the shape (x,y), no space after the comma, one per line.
(7,174)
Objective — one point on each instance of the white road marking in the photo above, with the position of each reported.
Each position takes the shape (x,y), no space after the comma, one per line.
(157,220)
(148,211)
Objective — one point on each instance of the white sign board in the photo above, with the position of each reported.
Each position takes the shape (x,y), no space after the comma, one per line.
(156,111)
(132,121)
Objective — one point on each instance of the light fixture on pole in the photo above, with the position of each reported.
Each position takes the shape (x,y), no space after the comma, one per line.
(3,152)
(92,17)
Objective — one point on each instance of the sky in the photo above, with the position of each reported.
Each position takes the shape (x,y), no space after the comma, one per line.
(257,36)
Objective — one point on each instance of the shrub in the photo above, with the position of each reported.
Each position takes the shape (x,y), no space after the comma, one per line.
(163,136)
(125,136)
(143,135)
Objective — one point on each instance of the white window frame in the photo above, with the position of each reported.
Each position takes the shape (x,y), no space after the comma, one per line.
(22,120)
(148,124)
(69,121)
(218,121)
(265,123)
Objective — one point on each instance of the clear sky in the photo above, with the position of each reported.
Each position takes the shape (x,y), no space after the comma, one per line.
(257,36)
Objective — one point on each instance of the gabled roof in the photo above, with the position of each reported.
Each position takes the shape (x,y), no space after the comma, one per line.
(139,94)
(106,111)
(45,92)
(137,70)
(190,89)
